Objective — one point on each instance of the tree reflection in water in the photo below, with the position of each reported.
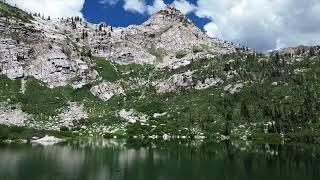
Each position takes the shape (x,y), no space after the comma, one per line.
(121,160)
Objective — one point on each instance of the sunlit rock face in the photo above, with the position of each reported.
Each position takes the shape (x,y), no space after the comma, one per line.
(58,51)
(106,90)
(12,56)
(12,115)
(44,54)
(168,31)
(175,82)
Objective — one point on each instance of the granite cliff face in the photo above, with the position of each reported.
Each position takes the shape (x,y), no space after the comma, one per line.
(39,50)
(299,51)
(58,51)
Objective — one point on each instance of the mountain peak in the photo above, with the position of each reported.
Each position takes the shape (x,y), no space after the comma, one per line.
(168,16)
(170,10)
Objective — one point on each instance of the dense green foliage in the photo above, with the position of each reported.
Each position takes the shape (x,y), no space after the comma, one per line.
(112,72)
(278,96)
(181,54)
(18,133)
(9,89)
(39,99)
(106,69)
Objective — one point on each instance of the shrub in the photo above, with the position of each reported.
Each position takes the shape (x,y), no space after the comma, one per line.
(151,35)
(64,128)
(158,53)
(196,50)
(106,69)
(181,54)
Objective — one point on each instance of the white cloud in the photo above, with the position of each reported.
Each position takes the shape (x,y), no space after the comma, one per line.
(138,6)
(110,2)
(263,24)
(54,8)
(184,6)
(212,29)
(157,6)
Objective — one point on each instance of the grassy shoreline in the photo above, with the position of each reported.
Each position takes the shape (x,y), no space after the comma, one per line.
(18,134)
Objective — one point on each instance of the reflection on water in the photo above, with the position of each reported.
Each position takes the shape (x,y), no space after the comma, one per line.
(118,160)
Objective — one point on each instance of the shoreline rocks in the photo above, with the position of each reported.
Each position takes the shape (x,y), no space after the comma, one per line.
(47,141)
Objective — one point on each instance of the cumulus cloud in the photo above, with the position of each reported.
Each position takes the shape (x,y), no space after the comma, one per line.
(138,6)
(263,24)
(184,6)
(157,5)
(110,2)
(54,8)
(212,29)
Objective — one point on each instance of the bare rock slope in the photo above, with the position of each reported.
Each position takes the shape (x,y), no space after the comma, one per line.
(58,52)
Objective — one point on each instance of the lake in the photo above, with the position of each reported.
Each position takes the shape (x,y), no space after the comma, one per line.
(121,160)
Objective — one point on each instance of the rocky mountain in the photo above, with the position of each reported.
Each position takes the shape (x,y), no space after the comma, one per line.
(301,51)
(163,78)
(54,51)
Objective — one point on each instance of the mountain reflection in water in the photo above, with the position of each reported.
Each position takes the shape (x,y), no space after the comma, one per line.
(120,160)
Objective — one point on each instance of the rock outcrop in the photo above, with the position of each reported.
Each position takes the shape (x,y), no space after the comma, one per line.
(299,51)
(73,114)
(133,117)
(12,115)
(209,82)
(40,50)
(106,90)
(175,82)
(12,58)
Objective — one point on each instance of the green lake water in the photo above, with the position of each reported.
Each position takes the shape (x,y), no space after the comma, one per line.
(120,160)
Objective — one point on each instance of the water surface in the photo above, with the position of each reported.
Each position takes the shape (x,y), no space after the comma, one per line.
(118,160)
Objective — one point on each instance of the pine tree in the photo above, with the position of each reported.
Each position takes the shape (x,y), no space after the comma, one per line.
(74,25)
(83,34)
(244,111)
(308,105)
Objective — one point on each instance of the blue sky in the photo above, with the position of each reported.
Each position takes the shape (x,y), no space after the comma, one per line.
(260,24)
(115,15)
